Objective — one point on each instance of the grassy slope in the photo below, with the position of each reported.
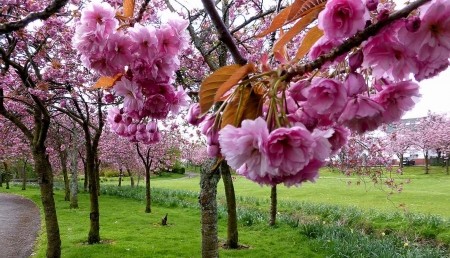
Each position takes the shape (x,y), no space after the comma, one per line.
(425,194)
(134,233)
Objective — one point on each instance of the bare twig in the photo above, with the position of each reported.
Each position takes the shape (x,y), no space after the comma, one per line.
(43,15)
(223,32)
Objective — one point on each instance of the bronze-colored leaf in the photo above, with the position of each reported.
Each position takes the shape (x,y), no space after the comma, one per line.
(297,28)
(245,105)
(234,79)
(277,22)
(211,84)
(313,35)
(107,82)
(307,7)
(128,8)
(295,8)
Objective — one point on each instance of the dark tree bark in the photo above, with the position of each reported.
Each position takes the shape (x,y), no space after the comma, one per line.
(63,159)
(209,179)
(131,177)
(120,177)
(7,174)
(24,175)
(232,226)
(45,178)
(73,152)
(426,163)
(273,206)
(401,162)
(147,161)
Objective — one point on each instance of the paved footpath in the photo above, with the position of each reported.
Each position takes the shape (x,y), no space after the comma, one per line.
(20,221)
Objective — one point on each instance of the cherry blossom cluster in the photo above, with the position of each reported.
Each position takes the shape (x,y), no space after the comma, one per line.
(145,59)
(306,121)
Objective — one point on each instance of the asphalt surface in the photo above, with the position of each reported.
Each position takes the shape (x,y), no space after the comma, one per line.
(20,221)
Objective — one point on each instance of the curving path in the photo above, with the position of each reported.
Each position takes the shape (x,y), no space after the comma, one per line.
(20,221)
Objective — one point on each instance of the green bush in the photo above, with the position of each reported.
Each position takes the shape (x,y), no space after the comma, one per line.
(177,170)
(111,173)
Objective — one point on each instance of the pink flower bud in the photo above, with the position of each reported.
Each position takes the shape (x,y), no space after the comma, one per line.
(132,128)
(383,15)
(355,84)
(297,90)
(194,112)
(109,98)
(213,151)
(207,123)
(152,127)
(355,60)
(117,118)
(372,5)
(62,104)
(141,128)
(412,24)
(155,137)
(128,121)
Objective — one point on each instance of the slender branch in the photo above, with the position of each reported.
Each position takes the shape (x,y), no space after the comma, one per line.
(43,15)
(223,32)
(299,70)
(142,10)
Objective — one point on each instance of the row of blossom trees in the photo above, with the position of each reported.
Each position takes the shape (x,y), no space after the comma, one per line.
(427,134)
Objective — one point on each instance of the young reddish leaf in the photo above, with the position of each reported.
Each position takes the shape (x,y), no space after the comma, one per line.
(211,84)
(277,22)
(235,108)
(253,108)
(245,105)
(307,7)
(107,82)
(297,28)
(295,8)
(309,40)
(234,79)
(128,8)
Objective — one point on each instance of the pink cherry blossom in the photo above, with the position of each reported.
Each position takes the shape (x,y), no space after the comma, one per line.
(326,95)
(342,18)
(323,46)
(180,100)
(355,84)
(133,98)
(290,149)
(338,139)
(99,14)
(145,41)
(246,146)
(118,51)
(193,115)
(361,114)
(396,99)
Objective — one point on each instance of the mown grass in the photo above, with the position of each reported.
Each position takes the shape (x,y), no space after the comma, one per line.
(127,181)
(426,194)
(307,226)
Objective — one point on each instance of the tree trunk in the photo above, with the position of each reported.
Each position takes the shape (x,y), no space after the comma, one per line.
(7,179)
(401,162)
(426,163)
(208,205)
(24,176)
(94,231)
(63,159)
(273,206)
(120,177)
(1,178)
(86,177)
(448,158)
(131,177)
(74,172)
(45,178)
(147,190)
(232,227)
(97,172)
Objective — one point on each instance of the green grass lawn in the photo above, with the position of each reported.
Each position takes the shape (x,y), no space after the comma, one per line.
(315,220)
(427,194)
(129,232)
